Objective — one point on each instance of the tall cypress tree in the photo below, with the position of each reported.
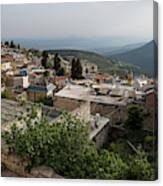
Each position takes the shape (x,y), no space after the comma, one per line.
(7,43)
(73,66)
(44,59)
(12,45)
(76,69)
(56,64)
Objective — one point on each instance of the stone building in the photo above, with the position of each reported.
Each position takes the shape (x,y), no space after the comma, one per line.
(36,92)
(72,96)
(88,69)
(17,81)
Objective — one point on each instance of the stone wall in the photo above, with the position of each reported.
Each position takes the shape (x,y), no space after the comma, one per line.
(18,166)
(117,113)
(67,103)
(102,137)
(83,111)
(113,112)
(35,96)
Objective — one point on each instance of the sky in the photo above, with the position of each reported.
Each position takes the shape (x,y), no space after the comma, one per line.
(128,21)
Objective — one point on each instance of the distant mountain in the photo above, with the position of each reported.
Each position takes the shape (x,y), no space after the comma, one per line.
(104,64)
(108,51)
(79,43)
(143,57)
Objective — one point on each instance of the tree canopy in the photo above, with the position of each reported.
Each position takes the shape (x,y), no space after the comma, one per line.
(12,44)
(44,59)
(76,69)
(57,64)
(135,118)
(66,148)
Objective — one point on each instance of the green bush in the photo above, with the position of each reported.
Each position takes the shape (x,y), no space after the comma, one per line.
(46,101)
(140,169)
(135,118)
(66,148)
(8,94)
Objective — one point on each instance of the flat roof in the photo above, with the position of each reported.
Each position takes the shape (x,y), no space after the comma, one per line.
(41,88)
(84,93)
(51,113)
(102,122)
(113,86)
(10,110)
(74,91)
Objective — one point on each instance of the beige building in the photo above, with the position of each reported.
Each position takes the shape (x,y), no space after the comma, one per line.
(17,81)
(88,69)
(72,96)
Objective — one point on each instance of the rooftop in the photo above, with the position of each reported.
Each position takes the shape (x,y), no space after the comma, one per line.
(112,86)
(102,122)
(85,93)
(51,112)
(40,88)
(74,91)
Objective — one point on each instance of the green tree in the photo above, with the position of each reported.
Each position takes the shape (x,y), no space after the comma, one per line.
(46,101)
(73,68)
(18,46)
(86,71)
(12,45)
(49,65)
(57,63)
(46,73)
(44,59)
(134,124)
(140,168)
(7,43)
(61,72)
(76,69)
(135,118)
(7,93)
(65,146)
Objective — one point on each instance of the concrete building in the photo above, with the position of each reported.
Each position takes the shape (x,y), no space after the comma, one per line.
(66,65)
(17,81)
(99,125)
(36,92)
(60,81)
(72,96)
(139,83)
(88,69)
(151,106)
(99,130)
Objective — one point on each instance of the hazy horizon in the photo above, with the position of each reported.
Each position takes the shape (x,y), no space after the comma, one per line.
(78,25)
(85,19)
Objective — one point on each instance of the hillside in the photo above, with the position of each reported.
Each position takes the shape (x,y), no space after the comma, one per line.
(112,50)
(142,57)
(104,64)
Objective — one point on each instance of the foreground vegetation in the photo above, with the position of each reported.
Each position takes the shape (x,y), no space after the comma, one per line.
(66,148)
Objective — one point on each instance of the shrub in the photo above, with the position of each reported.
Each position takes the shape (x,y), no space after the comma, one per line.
(66,148)
(8,94)
(140,168)
(135,118)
